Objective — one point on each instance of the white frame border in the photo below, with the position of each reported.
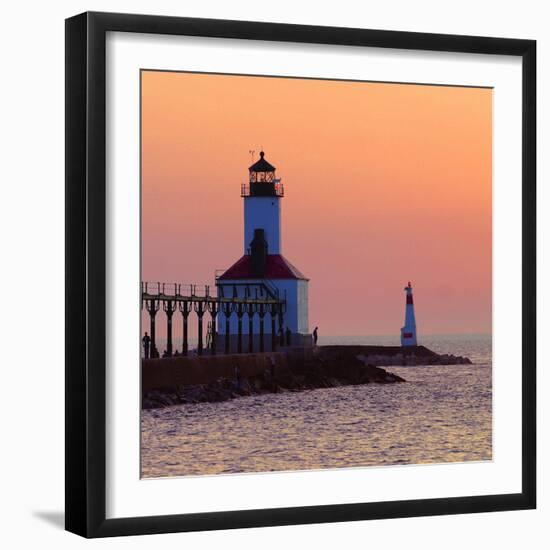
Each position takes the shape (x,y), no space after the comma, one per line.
(127,495)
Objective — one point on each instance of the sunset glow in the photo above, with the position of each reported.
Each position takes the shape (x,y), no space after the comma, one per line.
(384,183)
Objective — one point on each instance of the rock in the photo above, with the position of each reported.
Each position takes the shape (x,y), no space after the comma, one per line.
(148,404)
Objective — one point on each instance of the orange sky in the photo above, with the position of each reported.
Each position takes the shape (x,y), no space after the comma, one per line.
(384,183)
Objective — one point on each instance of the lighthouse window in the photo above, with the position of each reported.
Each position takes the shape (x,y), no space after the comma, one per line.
(262,177)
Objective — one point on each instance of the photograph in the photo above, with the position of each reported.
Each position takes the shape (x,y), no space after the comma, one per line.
(316,273)
(294,264)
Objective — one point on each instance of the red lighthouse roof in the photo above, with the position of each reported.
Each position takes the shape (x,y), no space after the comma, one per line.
(277,267)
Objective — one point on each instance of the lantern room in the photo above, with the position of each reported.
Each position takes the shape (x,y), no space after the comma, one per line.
(262,180)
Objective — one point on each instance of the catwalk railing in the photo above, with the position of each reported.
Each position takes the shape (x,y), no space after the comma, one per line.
(263,189)
(238,299)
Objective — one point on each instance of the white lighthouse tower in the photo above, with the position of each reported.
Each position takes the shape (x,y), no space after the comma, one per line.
(262,205)
(263,270)
(408,332)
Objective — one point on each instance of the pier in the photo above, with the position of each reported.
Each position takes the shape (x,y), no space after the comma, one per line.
(177,380)
(258,299)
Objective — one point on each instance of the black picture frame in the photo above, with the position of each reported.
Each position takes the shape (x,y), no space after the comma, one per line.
(86,268)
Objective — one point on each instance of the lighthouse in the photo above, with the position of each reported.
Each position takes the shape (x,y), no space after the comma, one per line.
(408,332)
(262,270)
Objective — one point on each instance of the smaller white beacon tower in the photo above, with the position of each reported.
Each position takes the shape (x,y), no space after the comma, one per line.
(408,332)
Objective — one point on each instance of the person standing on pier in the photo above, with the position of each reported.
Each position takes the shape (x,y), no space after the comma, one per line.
(288,336)
(146,340)
(315,336)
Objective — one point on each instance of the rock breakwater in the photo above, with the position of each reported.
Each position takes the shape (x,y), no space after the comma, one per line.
(174,381)
(299,374)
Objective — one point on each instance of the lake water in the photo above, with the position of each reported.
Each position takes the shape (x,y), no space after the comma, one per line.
(442,414)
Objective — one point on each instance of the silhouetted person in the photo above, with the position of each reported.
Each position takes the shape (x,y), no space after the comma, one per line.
(146,341)
(288,336)
(315,336)
(176,353)
(164,354)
